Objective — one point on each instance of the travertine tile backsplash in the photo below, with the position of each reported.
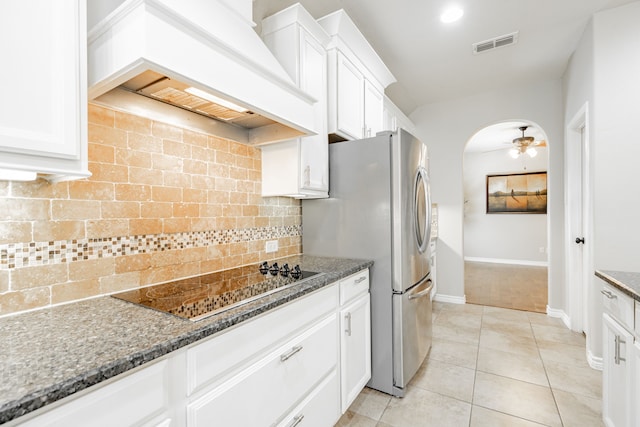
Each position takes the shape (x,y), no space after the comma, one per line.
(163,203)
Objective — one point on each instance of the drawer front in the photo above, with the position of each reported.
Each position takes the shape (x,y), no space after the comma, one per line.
(263,392)
(320,408)
(619,305)
(353,286)
(224,354)
(129,401)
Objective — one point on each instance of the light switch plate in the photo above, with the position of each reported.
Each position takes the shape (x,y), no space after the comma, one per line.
(271,246)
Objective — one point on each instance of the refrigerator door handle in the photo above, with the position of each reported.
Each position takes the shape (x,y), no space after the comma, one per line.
(424,292)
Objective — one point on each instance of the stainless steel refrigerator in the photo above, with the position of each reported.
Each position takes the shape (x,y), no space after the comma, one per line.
(379,208)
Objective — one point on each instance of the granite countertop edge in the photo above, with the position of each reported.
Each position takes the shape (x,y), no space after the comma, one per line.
(335,269)
(627,282)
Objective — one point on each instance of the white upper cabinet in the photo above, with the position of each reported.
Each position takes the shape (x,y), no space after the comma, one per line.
(357,79)
(394,118)
(299,167)
(43,113)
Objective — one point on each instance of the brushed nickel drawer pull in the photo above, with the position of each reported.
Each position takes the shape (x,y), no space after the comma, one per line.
(347,317)
(296,420)
(286,356)
(617,357)
(608,294)
(360,279)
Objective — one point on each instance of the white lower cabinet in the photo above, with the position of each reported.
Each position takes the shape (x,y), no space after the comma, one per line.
(355,337)
(616,376)
(140,399)
(299,364)
(263,393)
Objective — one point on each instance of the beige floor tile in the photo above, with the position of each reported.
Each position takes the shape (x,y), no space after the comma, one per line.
(455,353)
(444,378)
(555,352)
(518,398)
(577,410)
(545,333)
(506,326)
(464,308)
(351,419)
(575,379)
(508,342)
(516,366)
(483,417)
(423,408)
(370,403)
(544,319)
(461,319)
(443,331)
(505,314)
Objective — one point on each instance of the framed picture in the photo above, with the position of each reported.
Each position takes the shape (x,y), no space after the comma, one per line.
(517,193)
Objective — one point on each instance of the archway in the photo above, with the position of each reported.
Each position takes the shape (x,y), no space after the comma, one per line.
(505,235)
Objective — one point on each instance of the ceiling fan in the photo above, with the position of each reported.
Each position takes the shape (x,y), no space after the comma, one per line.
(525,144)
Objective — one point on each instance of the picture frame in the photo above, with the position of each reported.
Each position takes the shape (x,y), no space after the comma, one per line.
(517,193)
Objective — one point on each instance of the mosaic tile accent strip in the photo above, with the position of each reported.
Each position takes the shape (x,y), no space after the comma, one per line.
(18,255)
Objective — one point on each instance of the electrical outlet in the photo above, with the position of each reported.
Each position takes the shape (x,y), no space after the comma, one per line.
(271,246)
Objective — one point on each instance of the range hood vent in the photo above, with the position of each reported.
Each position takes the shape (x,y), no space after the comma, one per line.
(194,64)
(496,42)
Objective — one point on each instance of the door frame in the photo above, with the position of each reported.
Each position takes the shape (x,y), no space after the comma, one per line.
(579,264)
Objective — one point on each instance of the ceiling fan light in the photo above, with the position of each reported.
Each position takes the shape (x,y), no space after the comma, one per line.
(532,152)
(514,152)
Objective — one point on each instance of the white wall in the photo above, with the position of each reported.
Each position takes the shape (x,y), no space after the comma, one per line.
(616,137)
(515,238)
(605,72)
(447,126)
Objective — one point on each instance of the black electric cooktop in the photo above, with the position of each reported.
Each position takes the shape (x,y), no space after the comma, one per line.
(202,296)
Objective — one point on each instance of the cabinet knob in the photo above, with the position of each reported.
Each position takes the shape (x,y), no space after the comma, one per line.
(580,240)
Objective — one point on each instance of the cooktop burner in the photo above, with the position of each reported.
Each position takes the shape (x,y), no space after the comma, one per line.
(199,297)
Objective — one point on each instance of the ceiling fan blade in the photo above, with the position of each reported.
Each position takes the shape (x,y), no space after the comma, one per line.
(541,143)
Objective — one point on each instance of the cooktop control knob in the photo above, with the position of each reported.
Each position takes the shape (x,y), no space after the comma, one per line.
(284,270)
(264,267)
(274,269)
(296,273)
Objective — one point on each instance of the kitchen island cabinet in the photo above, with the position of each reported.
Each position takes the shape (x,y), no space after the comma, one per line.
(110,362)
(43,120)
(621,348)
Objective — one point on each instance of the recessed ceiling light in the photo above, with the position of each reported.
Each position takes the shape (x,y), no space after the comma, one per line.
(451,14)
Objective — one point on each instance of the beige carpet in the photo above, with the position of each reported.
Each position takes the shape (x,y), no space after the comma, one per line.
(508,286)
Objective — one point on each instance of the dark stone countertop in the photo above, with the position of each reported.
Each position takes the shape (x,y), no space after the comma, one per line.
(49,354)
(627,282)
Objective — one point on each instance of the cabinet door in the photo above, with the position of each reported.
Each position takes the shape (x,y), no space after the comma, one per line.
(314,149)
(273,384)
(44,103)
(373,118)
(355,350)
(350,87)
(616,376)
(635,382)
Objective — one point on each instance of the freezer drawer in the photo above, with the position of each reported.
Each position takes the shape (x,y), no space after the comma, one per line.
(412,325)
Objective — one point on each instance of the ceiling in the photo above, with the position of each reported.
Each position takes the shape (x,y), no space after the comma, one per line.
(434,62)
(500,136)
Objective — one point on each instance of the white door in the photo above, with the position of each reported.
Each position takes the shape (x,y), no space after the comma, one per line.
(578,220)
(355,345)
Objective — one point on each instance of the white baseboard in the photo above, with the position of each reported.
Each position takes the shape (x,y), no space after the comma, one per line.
(594,362)
(560,314)
(451,299)
(508,261)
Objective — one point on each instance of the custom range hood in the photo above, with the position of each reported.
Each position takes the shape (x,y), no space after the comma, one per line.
(197,64)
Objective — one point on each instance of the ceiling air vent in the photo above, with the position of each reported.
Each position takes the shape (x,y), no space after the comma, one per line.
(496,42)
